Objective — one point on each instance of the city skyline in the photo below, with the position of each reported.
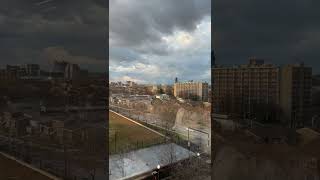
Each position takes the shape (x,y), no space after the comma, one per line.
(169,83)
(154,42)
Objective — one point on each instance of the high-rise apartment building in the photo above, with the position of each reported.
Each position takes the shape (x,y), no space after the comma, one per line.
(5,75)
(14,70)
(24,70)
(241,89)
(33,69)
(29,70)
(72,71)
(191,90)
(131,83)
(295,93)
(237,89)
(58,70)
(67,71)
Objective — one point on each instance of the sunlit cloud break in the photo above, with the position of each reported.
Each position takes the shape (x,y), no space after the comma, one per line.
(148,45)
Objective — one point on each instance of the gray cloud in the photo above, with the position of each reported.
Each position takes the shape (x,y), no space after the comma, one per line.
(28,27)
(154,41)
(52,54)
(141,24)
(279,31)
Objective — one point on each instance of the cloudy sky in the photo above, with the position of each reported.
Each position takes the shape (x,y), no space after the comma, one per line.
(40,31)
(154,41)
(168,37)
(286,31)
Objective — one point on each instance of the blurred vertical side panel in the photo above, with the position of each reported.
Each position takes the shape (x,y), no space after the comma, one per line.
(266,90)
(53,91)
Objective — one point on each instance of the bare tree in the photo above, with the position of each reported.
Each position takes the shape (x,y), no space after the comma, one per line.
(194,167)
(120,162)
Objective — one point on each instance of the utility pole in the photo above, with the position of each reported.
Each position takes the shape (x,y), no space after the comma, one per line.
(93,173)
(65,162)
(293,119)
(115,141)
(188,143)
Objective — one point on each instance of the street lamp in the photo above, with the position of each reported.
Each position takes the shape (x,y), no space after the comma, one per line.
(188,142)
(158,167)
(198,155)
(188,136)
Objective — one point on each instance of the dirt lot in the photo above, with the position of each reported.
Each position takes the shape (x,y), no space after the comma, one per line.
(125,135)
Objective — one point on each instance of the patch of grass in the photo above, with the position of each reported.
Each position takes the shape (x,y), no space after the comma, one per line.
(125,135)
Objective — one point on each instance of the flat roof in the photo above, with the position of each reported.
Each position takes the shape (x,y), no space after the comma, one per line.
(145,160)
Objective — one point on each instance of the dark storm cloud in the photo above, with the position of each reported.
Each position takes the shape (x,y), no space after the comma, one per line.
(154,41)
(29,27)
(141,24)
(280,31)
